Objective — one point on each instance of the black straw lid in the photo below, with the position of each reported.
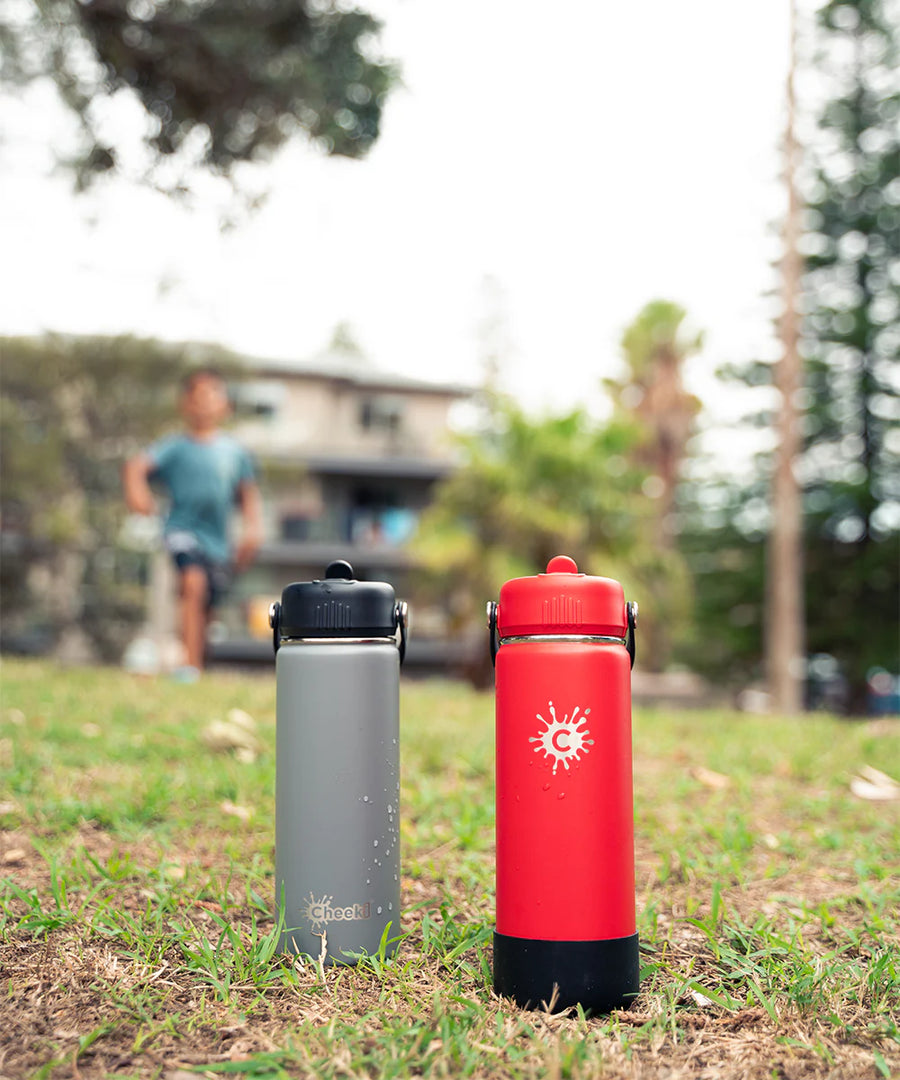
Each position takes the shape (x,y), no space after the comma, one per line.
(338,606)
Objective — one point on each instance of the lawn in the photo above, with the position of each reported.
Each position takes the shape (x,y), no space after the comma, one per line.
(136,929)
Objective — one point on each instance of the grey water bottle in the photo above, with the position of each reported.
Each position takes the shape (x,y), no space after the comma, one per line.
(337,777)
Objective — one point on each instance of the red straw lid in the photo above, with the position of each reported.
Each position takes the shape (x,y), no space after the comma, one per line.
(562,601)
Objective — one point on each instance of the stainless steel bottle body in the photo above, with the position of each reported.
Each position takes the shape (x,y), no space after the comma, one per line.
(337,822)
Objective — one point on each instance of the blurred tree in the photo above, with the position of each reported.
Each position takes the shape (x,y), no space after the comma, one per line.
(722,537)
(228,81)
(531,489)
(784,637)
(651,398)
(345,345)
(850,461)
(655,347)
(71,409)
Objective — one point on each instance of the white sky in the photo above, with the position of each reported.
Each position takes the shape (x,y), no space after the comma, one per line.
(589,156)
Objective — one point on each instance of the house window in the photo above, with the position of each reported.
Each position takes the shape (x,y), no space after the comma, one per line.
(381,412)
(259,399)
(379,516)
(295,527)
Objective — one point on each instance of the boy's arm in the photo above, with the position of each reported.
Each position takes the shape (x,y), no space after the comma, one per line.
(138,496)
(251,523)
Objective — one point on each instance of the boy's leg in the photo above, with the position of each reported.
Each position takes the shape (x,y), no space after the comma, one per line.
(194,596)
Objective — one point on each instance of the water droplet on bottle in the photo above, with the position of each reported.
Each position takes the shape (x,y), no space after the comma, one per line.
(365,798)
(368,881)
(390,809)
(390,907)
(546,787)
(378,909)
(374,843)
(561,795)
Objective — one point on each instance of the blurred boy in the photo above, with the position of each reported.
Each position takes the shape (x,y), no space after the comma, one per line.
(206,473)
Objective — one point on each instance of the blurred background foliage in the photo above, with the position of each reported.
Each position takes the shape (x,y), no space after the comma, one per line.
(219,83)
(530,489)
(629,496)
(849,468)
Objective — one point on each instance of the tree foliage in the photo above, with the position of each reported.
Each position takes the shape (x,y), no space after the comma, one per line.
(531,489)
(229,80)
(722,540)
(655,346)
(651,397)
(850,463)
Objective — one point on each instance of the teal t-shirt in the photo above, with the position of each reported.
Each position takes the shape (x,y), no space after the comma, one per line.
(202,478)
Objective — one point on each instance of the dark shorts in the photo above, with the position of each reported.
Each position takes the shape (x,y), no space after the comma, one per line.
(185,552)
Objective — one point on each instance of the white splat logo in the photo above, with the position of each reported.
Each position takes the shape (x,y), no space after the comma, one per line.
(563,740)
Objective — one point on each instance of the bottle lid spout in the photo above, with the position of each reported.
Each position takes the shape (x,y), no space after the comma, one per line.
(562,564)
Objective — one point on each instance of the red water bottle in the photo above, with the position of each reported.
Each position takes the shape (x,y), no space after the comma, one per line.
(563,644)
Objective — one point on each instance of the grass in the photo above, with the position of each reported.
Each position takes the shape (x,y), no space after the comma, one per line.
(136,930)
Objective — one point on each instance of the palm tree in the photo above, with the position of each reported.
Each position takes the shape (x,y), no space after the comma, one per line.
(655,347)
(652,394)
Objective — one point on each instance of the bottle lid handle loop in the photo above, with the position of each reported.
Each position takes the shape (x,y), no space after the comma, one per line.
(275,623)
(492,608)
(401,614)
(631,611)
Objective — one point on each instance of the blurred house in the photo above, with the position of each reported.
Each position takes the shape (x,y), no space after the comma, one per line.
(348,460)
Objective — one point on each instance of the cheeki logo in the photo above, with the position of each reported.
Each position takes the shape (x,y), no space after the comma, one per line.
(322,911)
(563,740)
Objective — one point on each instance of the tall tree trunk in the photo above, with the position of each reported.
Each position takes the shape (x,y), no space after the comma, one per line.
(784,601)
